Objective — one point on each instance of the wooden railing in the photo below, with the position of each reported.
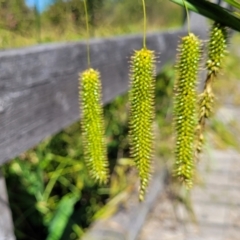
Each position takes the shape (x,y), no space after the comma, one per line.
(39,88)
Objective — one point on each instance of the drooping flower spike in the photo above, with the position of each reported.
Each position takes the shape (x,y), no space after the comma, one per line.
(95,152)
(185,107)
(217,49)
(142,114)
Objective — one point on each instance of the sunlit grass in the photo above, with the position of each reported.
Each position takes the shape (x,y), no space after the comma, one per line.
(115,20)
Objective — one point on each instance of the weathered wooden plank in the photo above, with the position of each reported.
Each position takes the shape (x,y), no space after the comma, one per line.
(39,85)
(127,223)
(6,225)
(217,211)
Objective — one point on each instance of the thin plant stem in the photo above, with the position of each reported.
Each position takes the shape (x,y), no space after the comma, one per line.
(87,27)
(144,23)
(188,19)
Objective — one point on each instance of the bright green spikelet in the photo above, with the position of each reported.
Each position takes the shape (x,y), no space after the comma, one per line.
(205,102)
(92,126)
(142,114)
(185,107)
(217,48)
(205,109)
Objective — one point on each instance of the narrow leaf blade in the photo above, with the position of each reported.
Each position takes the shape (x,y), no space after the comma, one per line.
(61,217)
(233,3)
(212,11)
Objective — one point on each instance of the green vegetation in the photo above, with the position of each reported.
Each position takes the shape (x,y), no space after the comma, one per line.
(185,108)
(65,20)
(53,176)
(92,126)
(215,12)
(142,114)
(50,192)
(54,193)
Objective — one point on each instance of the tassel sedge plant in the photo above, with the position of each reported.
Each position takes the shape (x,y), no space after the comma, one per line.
(142,114)
(185,107)
(95,152)
(217,49)
(142,110)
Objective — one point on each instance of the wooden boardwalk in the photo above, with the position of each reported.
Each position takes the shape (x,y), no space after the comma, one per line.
(216,205)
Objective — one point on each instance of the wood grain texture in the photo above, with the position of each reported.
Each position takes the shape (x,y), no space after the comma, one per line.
(126,223)
(39,85)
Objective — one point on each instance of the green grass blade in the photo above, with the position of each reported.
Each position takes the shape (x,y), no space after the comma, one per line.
(212,11)
(233,3)
(61,217)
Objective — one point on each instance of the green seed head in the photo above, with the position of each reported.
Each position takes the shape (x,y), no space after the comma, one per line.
(142,114)
(185,107)
(216,53)
(217,48)
(206,100)
(205,104)
(199,140)
(92,126)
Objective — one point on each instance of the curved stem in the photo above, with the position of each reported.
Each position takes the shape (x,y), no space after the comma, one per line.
(144,23)
(87,27)
(188,19)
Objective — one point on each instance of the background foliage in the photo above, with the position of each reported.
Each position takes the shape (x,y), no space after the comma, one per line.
(54,197)
(50,193)
(64,20)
